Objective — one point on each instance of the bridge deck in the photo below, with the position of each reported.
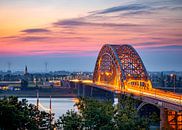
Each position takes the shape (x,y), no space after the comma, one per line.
(154,96)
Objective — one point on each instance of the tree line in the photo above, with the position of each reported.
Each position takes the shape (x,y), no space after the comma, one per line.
(91,114)
(103,115)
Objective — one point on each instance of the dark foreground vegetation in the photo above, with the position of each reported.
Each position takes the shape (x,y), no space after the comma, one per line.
(91,115)
(97,115)
(16,114)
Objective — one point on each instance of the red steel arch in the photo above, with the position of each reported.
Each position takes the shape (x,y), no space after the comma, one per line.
(120,66)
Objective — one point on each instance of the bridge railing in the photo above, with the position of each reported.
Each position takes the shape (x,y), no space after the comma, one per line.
(156,93)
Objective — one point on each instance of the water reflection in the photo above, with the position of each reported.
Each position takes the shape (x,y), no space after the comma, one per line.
(59,105)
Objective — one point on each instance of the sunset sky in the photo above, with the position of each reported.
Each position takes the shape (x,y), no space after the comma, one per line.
(68,34)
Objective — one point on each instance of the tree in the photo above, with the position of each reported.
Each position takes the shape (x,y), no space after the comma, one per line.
(12,115)
(70,121)
(16,114)
(92,115)
(103,115)
(128,117)
(96,114)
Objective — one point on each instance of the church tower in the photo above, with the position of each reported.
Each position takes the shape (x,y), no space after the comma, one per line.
(26,70)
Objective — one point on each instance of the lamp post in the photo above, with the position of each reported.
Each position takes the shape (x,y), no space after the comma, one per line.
(37,99)
(50,112)
(174,84)
(173,76)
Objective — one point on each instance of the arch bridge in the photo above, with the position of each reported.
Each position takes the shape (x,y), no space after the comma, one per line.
(119,69)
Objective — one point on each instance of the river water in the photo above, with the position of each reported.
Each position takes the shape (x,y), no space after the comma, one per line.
(59,105)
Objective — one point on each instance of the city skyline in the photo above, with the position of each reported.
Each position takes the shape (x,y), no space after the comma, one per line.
(69,34)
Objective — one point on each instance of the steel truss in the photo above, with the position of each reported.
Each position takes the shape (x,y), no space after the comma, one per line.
(118,63)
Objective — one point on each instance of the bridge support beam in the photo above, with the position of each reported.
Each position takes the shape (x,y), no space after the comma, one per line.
(87,91)
(164,119)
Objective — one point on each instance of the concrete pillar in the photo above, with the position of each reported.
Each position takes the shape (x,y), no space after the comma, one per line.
(176,120)
(83,86)
(78,90)
(119,96)
(91,93)
(164,119)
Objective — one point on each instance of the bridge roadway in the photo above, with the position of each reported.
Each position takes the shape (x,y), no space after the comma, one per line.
(157,97)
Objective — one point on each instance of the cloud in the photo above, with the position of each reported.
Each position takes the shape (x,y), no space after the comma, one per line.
(110,25)
(138,12)
(36,30)
(64,52)
(138,8)
(159,46)
(147,44)
(131,7)
(177,8)
(8,38)
(33,38)
(174,47)
(168,49)
(76,22)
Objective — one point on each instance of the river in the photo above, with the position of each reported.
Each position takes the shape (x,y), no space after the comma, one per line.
(59,105)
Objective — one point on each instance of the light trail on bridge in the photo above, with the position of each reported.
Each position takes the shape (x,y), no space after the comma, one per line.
(163,96)
(153,93)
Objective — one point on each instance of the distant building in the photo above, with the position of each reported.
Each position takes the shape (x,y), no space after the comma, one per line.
(10,85)
(26,71)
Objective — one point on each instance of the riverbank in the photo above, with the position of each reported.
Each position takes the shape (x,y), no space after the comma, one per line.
(43,93)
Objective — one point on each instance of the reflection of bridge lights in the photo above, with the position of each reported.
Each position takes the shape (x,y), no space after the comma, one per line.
(75,100)
(44,108)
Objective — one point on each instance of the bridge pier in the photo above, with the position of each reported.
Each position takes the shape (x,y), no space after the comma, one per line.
(87,91)
(164,119)
(170,120)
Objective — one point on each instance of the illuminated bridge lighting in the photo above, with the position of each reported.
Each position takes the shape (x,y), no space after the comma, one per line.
(119,68)
(117,65)
(83,81)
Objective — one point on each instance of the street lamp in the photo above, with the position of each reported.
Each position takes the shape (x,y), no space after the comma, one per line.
(174,82)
